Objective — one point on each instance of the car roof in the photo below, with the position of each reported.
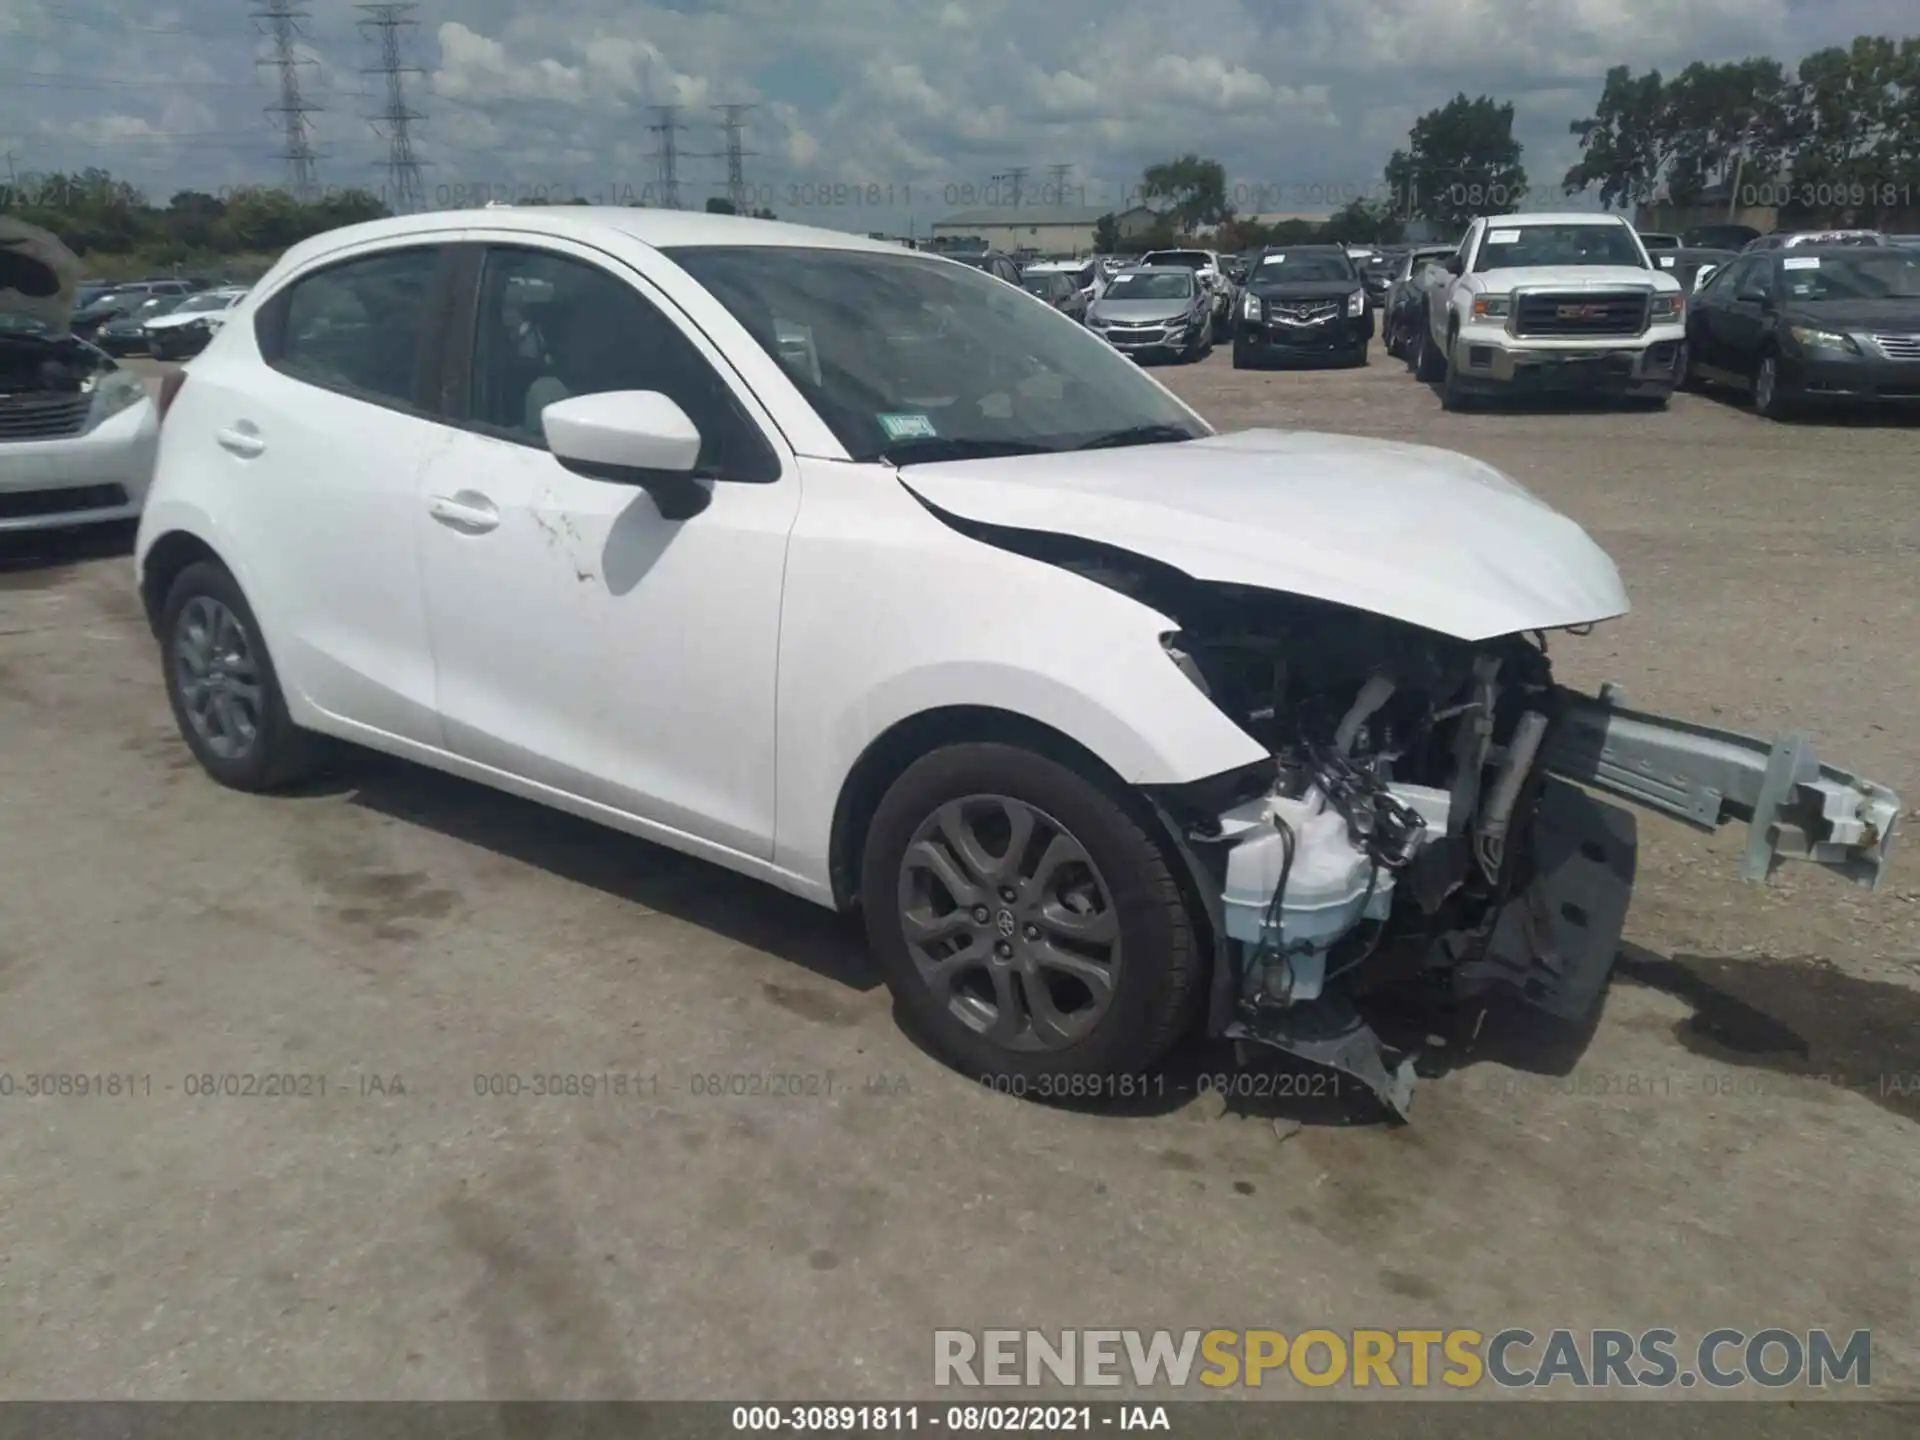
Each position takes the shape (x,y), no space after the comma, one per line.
(659,229)
(1557,217)
(1156,270)
(1315,249)
(1825,252)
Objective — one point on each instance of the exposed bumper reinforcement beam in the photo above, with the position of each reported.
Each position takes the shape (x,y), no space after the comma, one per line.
(1797,808)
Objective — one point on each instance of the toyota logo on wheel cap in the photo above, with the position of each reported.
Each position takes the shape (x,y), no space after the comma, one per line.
(1005,922)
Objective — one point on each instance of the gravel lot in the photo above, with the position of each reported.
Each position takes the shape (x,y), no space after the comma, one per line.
(393,925)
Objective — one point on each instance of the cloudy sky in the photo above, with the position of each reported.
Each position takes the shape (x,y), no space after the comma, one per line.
(922,102)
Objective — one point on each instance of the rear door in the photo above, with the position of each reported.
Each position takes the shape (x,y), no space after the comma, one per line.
(319,450)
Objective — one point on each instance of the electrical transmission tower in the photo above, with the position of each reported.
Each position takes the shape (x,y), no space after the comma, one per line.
(1057,190)
(281,22)
(668,127)
(735,126)
(1015,178)
(385,24)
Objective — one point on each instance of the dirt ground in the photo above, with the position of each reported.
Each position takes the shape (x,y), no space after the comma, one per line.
(399,934)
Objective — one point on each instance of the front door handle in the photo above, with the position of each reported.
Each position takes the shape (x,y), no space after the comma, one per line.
(474,514)
(240,442)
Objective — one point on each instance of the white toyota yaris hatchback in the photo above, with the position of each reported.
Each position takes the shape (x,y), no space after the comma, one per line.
(858,571)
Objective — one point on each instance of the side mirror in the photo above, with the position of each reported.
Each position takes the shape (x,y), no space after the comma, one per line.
(631,437)
(1452,265)
(1755,293)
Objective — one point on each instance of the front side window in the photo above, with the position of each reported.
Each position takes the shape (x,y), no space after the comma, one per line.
(357,327)
(907,358)
(1523,246)
(548,327)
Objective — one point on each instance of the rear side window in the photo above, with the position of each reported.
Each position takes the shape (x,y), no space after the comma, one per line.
(362,327)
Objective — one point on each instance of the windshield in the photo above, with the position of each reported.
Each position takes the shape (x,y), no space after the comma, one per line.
(1523,245)
(1186,259)
(158,305)
(1886,275)
(1045,285)
(1660,242)
(908,359)
(1136,286)
(203,302)
(1289,266)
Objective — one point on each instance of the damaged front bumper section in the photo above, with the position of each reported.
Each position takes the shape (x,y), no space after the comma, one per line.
(1553,940)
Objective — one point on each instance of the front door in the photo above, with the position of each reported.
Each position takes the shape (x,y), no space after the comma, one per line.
(582,641)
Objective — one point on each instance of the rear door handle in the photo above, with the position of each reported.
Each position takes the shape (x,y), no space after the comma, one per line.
(476,515)
(240,442)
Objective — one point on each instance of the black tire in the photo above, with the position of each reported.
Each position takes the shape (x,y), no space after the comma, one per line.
(1453,395)
(1769,400)
(1428,364)
(1358,359)
(1158,967)
(280,752)
(1242,357)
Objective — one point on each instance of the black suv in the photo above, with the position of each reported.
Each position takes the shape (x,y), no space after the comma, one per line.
(1302,302)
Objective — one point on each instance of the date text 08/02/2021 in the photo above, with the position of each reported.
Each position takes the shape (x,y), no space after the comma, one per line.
(948,1419)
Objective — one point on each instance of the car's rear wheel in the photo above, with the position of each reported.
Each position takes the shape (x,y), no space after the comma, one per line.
(1027,924)
(221,683)
(1453,391)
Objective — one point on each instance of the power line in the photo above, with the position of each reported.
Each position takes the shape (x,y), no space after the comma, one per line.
(667,126)
(1016,177)
(405,193)
(283,24)
(26,79)
(735,126)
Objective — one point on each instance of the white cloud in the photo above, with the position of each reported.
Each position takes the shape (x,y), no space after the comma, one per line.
(938,95)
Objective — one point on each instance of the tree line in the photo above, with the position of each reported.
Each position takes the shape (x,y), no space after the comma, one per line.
(1834,140)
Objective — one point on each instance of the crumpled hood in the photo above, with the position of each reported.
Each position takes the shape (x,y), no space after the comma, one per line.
(1427,536)
(38,275)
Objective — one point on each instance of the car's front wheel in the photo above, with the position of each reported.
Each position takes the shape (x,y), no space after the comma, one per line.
(1769,400)
(1027,924)
(221,683)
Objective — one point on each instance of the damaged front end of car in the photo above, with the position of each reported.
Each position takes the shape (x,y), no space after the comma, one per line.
(1426,819)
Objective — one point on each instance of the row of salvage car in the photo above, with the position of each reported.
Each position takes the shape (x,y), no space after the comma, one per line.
(1570,303)
(1113,727)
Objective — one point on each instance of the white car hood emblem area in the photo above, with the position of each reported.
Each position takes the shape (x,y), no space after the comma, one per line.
(1427,536)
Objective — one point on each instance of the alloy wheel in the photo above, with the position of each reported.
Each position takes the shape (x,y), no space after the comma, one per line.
(1010,923)
(1764,384)
(219,678)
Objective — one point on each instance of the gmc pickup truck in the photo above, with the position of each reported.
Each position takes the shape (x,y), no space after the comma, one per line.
(1562,302)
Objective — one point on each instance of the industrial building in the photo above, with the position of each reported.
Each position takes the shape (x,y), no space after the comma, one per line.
(1048,229)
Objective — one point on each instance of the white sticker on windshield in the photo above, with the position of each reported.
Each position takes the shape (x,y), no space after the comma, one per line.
(1801,262)
(1503,237)
(1271,259)
(1666,262)
(907,427)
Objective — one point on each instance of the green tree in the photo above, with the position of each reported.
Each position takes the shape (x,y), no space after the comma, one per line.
(1626,143)
(1362,222)
(1853,131)
(1461,161)
(1106,233)
(1190,192)
(720,205)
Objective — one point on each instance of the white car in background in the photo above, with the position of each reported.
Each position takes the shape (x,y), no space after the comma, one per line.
(186,329)
(77,432)
(1109,724)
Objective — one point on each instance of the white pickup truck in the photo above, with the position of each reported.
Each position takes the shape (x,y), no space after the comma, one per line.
(1558,302)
